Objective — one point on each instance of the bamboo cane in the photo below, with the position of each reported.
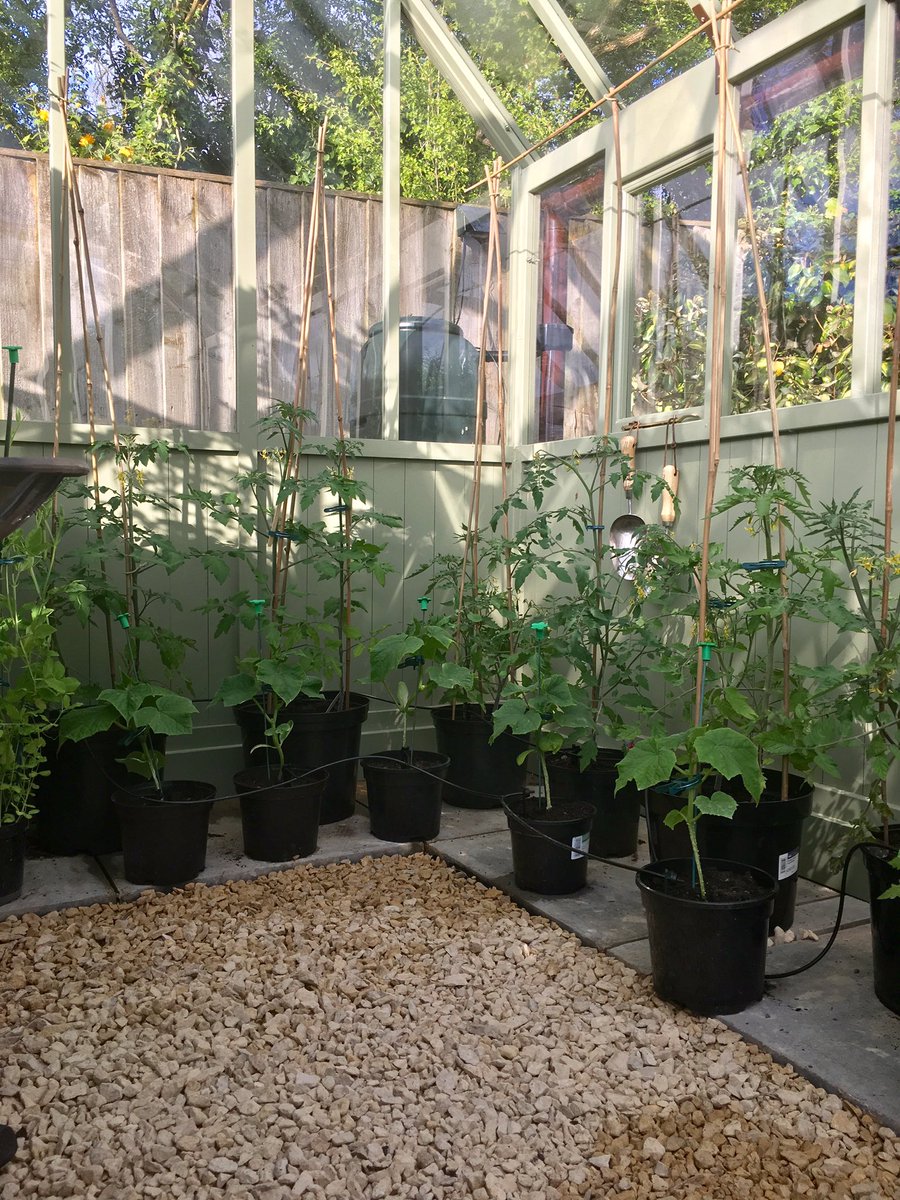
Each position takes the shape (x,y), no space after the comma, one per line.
(292,462)
(493,196)
(347,515)
(889,504)
(704,27)
(773,413)
(721,29)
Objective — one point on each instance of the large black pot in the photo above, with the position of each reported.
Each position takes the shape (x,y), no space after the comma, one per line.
(280,817)
(164,839)
(322,736)
(539,865)
(12,859)
(665,842)
(74,801)
(481,772)
(708,956)
(614,829)
(885,917)
(766,835)
(405,798)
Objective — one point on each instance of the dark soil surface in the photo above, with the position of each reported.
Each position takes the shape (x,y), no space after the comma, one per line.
(722,887)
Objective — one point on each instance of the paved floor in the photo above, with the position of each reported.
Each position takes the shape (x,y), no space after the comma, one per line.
(826,1022)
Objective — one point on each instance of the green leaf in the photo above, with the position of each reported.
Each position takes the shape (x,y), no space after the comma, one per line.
(84,720)
(719,804)
(647,763)
(170,713)
(517,716)
(891,893)
(451,676)
(389,652)
(287,682)
(731,753)
(675,816)
(237,689)
(739,704)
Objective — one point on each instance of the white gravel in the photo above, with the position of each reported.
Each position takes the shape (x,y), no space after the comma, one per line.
(385,1029)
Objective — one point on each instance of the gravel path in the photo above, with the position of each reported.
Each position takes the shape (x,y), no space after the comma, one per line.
(386,1029)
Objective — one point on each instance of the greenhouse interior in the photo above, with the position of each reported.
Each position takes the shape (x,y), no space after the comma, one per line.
(449,603)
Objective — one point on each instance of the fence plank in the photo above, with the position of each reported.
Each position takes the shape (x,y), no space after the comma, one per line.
(21,296)
(216,307)
(180,302)
(142,303)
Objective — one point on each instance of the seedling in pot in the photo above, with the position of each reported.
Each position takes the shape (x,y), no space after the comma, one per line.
(282,669)
(532,705)
(425,642)
(140,709)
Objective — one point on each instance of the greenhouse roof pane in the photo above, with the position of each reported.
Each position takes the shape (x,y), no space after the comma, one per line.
(520,60)
(626,35)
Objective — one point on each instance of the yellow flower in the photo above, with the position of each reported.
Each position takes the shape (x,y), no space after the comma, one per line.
(43,114)
(108,125)
(778,368)
(87,140)
(127,152)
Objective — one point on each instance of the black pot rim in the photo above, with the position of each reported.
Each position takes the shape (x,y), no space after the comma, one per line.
(430,757)
(258,776)
(12,828)
(136,797)
(647,877)
(586,812)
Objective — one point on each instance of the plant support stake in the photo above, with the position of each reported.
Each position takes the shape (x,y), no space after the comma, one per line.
(13,352)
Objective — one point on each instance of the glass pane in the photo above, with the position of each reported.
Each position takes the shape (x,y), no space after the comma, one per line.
(151,88)
(23,64)
(892,281)
(314,59)
(520,60)
(568,364)
(626,35)
(800,122)
(671,290)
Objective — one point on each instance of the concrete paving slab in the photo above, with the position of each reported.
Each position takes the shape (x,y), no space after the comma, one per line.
(225,859)
(470,822)
(52,883)
(605,913)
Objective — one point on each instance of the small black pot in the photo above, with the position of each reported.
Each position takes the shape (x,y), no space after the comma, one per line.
(405,802)
(614,831)
(321,736)
(538,865)
(708,956)
(885,917)
(12,859)
(481,772)
(74,801)
(164,840)
(280,818)
(765,835)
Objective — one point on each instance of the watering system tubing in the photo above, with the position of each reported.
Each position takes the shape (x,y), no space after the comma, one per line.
(610,862)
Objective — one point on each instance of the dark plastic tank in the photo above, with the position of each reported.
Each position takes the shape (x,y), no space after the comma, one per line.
(438,380)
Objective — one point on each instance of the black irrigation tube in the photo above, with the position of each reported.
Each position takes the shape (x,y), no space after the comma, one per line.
(610,862)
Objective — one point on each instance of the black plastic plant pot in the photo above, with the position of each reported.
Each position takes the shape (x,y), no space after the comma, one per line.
(280,818)
(74,800)
(12,859)
(164,838)
(481,772)
(614,832)
(708,956)
(405,798)
(663,841)
(885,918)
(765,835)
(324,734)
(539,865)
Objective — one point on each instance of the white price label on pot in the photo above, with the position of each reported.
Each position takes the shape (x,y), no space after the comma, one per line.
(788,864)
(580,843)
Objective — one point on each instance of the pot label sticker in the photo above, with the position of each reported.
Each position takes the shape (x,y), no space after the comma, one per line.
(580,843)
(788,864)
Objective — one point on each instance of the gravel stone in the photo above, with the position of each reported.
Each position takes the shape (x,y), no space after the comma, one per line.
(385,1029)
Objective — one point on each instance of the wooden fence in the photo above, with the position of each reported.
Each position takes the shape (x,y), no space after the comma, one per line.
(160,246)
